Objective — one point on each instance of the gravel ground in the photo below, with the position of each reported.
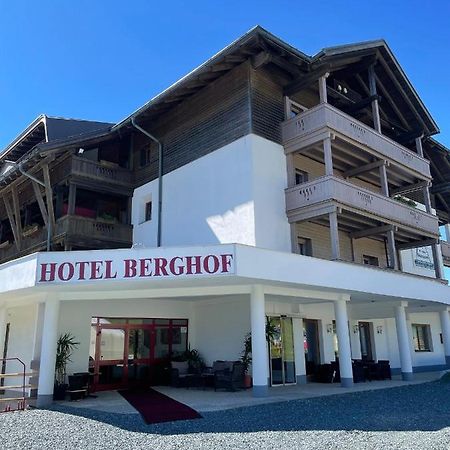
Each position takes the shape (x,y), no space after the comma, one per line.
(410,417)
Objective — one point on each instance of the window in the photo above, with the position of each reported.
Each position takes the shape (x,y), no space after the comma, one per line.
(422,338)
(370,260)
(148,212)
(300,176)
(144,155)
(304,246)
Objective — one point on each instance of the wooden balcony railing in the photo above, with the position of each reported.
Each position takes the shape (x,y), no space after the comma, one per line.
(330,189)
(101,171)
(306,128)
(94,229)
(30,244)
(70,226)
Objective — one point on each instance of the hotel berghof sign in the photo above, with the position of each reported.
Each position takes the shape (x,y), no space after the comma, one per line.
(66,267)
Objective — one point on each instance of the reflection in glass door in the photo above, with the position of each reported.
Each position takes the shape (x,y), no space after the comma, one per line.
(110,344)
(281,348)
(138,356)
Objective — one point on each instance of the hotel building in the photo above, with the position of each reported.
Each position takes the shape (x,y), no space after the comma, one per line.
(266,183)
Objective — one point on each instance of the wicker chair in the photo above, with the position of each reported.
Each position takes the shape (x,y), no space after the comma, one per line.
(230,379)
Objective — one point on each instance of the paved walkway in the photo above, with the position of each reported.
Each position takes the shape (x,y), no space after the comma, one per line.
(210,400)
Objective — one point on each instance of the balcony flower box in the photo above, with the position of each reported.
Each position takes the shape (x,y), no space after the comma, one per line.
(29,230)
(4,244)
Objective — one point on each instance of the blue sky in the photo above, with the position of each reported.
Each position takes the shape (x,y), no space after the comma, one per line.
(101,60)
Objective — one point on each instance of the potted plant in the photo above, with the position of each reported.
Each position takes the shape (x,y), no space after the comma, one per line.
(192,357)
(246,358)
(246,355)
(65,346)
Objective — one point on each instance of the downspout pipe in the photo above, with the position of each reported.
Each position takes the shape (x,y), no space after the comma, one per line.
(49,222)
(160,174)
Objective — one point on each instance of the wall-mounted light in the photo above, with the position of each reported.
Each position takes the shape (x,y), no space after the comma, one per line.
(80,151)
(329,328)
(355,329)
(379,329)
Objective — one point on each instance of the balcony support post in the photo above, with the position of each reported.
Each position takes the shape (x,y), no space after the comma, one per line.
(384,180)
(435,247)
(72,199)
(327,155)
(323,88)
(419,147)
(437,261)
(334,235)
(392,251)
(373,92)
(290,168)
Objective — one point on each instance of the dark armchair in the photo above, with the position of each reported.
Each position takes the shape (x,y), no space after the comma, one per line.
(231,378)
(181,375)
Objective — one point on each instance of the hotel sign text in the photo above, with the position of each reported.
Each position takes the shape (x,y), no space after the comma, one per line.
(141,266)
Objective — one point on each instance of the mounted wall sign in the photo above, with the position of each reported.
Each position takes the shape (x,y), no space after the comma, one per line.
(132,264)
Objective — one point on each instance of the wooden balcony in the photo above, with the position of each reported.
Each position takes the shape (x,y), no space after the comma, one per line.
(30,243)
(101,171)
(310,127)
(360,208)
(445,249)
(85,229)
(77,231)
(92,172)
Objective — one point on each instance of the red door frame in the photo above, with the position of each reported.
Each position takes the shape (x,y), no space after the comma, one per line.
(126,327)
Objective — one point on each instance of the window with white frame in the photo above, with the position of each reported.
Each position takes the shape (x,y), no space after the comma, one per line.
(301,176)
(370,260)
(422,337)
(304,246)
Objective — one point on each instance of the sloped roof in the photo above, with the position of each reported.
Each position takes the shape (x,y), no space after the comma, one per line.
(259,40)
(46,129)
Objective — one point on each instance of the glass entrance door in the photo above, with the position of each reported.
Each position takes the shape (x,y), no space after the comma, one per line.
(281,349)
(311,345)
(134,352)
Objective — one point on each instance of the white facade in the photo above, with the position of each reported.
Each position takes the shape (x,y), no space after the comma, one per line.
(233,195)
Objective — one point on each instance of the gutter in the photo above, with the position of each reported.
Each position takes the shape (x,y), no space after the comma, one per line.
(160,174)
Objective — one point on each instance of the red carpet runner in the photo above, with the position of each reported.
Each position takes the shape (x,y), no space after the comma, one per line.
(155,407)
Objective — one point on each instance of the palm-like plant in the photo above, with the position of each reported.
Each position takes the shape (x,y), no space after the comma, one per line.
(65,346)
(246,355)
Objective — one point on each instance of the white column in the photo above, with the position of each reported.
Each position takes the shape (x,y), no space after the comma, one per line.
(445,326)
(299,351)
(48,353)
(404,346)
(260,372)
(345,353)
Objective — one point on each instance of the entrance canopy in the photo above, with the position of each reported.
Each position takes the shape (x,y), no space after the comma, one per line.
(209,270)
